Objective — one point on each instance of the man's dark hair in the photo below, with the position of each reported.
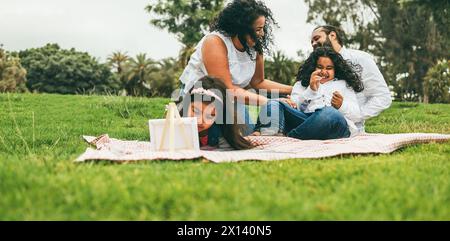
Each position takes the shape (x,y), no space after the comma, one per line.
(340,34)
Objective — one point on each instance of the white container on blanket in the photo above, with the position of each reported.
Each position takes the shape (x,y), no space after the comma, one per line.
(174,133)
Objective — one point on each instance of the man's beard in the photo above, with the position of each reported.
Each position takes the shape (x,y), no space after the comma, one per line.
(327,43)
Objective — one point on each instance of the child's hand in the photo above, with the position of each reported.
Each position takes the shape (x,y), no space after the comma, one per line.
(314,82)
(289,102)
(337,100)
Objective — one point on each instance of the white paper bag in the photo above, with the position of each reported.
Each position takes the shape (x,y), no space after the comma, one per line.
(174,133)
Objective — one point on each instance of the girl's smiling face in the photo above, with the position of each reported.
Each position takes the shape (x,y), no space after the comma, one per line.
(326,67)
(205,113)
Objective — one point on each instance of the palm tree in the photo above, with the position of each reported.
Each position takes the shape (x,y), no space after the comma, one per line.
(280,68)
(138,71)
(165,80)
(118,60)
(185,55)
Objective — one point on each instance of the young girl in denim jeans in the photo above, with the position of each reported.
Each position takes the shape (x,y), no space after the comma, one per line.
(327,106)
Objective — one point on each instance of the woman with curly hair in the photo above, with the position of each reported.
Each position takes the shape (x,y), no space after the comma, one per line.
(326,100)
(234,52)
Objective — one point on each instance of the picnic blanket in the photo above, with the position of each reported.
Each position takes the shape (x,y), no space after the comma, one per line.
(271,148)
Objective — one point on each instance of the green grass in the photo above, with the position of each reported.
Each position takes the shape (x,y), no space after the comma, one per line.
(40,136)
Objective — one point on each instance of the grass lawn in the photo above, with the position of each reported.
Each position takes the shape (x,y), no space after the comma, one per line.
(40,136)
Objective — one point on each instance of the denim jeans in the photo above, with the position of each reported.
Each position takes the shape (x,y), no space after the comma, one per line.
(323,124)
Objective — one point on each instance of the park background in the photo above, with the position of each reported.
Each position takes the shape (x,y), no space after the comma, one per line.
(73,68)
(140,48)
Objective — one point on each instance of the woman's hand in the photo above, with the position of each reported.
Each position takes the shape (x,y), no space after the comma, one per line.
(337,100)
(314,81)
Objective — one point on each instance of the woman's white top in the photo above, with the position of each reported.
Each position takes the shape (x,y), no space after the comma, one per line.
(308,100)
(242,67)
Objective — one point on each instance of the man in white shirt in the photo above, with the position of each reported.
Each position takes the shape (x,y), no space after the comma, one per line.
(376,95)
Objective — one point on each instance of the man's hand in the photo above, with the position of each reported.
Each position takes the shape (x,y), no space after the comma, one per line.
(337,100)
(314,81)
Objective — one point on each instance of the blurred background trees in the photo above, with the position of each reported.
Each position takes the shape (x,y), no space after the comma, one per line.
(437,83)
(51,69)
(407,37)
(187,20)
(280,68)
(141,76)
(117,61)
(12,74)
(410,40)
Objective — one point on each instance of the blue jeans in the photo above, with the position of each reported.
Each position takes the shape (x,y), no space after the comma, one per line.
(323,124)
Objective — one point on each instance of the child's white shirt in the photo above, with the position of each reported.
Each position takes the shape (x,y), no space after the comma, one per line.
(309,101)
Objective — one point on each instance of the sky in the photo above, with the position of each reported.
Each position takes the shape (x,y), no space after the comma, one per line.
(101,27)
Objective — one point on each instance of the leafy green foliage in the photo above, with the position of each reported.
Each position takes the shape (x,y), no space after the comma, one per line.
(12,74)
(407,37)
(188,20)
(138,70)
(165,78)
(117,61)
(437,83)
(281,68)
(55,70)
(141,76)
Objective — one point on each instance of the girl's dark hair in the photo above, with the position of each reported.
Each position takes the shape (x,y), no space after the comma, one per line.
(237,19)
(343,70)
(230,131)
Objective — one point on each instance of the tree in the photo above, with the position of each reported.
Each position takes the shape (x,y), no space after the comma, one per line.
(280,68)
(12,74)
(188,20)
(415,45)
(437,83)
(165,79)
(185,55)
(55,70)
(138,70)
(118,62)
(142,76)
(406,36)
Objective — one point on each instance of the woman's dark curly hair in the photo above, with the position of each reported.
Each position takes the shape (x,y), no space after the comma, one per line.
(237,19)
(343,70)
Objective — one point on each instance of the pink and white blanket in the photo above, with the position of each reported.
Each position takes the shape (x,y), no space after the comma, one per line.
(271,148)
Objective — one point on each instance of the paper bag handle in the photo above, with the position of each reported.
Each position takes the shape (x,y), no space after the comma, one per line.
(171,117)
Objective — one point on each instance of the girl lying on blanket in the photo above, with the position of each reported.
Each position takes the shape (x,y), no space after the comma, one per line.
(216,123)
(327,106)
